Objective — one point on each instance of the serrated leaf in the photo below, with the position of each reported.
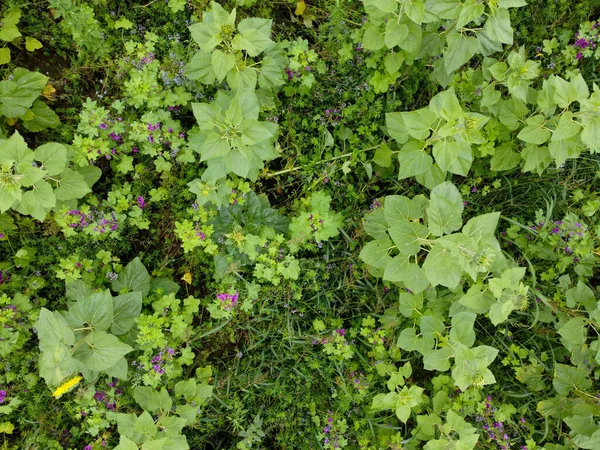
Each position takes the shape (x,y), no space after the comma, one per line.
(413,160)
(100,351)
(222,63)
(460,50)
(134,278)
(375,253)
(453,156)
(53,157)
(71,185)
(497,26)
(445,209)
(95,311)
(126,308)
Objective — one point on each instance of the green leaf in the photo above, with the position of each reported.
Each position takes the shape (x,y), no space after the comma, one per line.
(440,267)
(438,359)
(537,159)
(419,123)
(574,333)
(373,38)
(504,157)
(454,157)
(254,36)
(53,157)
(432,328)
(4,55)
(535,132)
(200,68)
(445,209)
(567,378)
(395,33)
(71,185)
(393,62)
(590,136)
(32,44)
(383,156)
(463,328)
(375,253)
(482,225)
(56,364)
(126,309)
(206,35)
(414,278)
(497,26)
(396,128)
(413,160)
(95,311)
(145,424)
(271,73)
(186,389)
(37,201)
(471,10)
(119,370)
(376,225)
(445,105)
(100,351)
(222,63)
(126,444)
(134,278)
(566,92)
(151,400)
(407,235)
(444,9)
(394,270)
(53,331)
(461,49)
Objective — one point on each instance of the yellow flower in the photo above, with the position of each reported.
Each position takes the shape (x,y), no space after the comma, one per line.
(66,387)
(187,277)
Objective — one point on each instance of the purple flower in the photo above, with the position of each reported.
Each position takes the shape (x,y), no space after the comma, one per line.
(579,56)
(581,43)
(88,447)
(99,396)
(103,126)
(2,395)
(141,202)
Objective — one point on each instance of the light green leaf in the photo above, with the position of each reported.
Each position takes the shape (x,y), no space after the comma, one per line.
(413,160)
(407,236)
(394,270)
(453,156)
(200,68)
(504,157)
(445,209)
(100,351)
(470,10)
(482,225)
(32,44)
(396,128)
(375,253)
(95,311)
(461,49)
(53,331)
(126,308)
(445,105)
(440,267)
(373,38)
(4,55)
(463,328)
(53,157)
(438,359)
(71,185)
(535,132)
(395,33)
(222,63)
(134,278)
(497,26)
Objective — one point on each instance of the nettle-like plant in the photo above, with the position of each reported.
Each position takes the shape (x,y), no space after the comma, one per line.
(35,182)
(400,31)
(230,138)
(229,54)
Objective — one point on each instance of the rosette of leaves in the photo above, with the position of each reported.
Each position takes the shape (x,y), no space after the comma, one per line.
(86,337)
(228,54)
(35,182)
(315,222)
(244,229)
(230,138)
(19,100)
(418,246)
(400,31)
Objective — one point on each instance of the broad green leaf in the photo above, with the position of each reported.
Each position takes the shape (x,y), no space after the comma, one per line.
(574,332)
(32,44)
(100,351)
(504,157)
(383,156)
(441,267)
(375,253)
(222,63)
(134,278)
(37,201)
(567,127)
(431,177)
(126,444)
(497,26)
(414,278)
(536,159)
(482,225)
(393,62)
(413,160)
(53,157)
(453,156)
(152,400)
(399,209)
(53,331)
(432,328)
(445,209)
(445,105)
(590,136)
(415,10)
(395,33)
(394,270)
(15,150)
(438,359)
(71,185)
(95,311)
(470,10)
(410,305)
(566,92)
(463,330)
(407,236)
(78,290)
(396,128)
(186,389)
(419,123)
(254,36)
(4,55)
(271,73)
(567,378)
(206,35)
(200,68)
(373,38)
(375,224)
(444,9)
(126,309)
(535,132)
(560,151)
(461,49)
(118,370)
(56,364)
(381,402)
(145,424)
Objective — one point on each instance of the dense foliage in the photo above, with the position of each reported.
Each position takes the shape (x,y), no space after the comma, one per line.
(303,224)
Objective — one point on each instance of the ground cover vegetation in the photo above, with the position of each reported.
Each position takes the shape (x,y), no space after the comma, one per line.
(299,224)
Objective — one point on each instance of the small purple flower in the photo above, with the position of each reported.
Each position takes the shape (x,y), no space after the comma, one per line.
(99,396)
(103,126)
(579,56)
(140,201)
(2,395)
(88,447)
